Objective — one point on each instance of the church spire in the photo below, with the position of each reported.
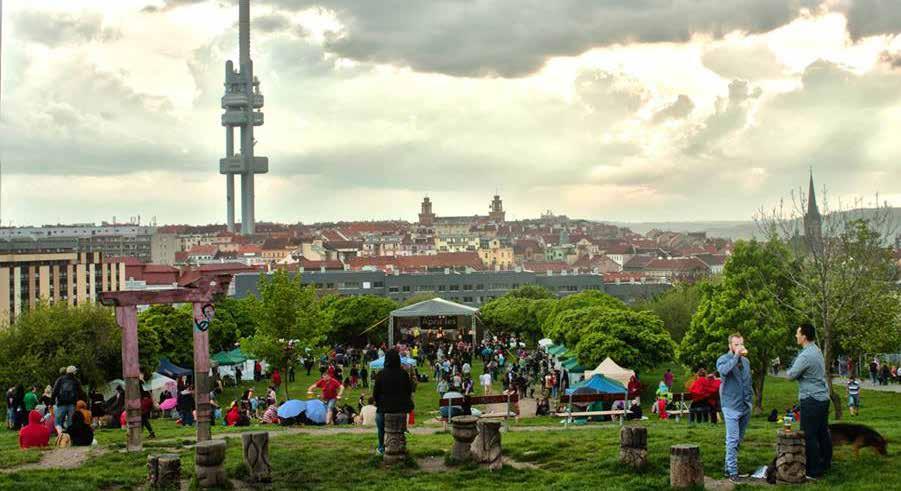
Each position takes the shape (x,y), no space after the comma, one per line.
(812,209)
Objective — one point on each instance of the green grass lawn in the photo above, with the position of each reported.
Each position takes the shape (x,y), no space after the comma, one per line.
(556,459)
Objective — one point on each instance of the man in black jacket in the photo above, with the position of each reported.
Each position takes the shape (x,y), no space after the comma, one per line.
(393,393)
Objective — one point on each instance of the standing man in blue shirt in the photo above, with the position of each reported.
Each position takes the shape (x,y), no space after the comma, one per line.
(735,396)
(809,369)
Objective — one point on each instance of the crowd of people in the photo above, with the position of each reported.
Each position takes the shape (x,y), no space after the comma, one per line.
(62,410)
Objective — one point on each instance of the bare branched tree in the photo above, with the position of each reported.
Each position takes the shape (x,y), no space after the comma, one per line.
(842,271)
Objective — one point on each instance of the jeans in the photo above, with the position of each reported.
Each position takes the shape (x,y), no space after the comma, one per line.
(814,424)
(380,428)
(64,414)
(735,433)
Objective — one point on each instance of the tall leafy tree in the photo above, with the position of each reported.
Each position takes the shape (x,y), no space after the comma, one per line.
(234,319)
(48,337)
(675,307)
(174,327)
(844,279)
(744,302)
(350,317)
(573,311)
(288,314)
(531,292)
(636,340)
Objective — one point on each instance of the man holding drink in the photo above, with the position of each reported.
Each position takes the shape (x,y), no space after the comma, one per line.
(735,396)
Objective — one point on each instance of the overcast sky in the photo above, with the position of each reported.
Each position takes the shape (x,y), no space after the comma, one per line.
(637,110)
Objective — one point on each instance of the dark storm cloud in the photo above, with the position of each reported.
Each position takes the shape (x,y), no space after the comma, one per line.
(513,38)
(869,17)
(679,109)
(55,29)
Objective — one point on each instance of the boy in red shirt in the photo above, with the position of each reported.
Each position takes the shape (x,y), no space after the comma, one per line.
(331,392)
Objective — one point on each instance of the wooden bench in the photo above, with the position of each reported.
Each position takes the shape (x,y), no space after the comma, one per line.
(510,400)
(682,400)
(590,398)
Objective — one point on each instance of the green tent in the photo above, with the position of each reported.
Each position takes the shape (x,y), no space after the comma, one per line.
(556,349)
(233,357)
(572,365)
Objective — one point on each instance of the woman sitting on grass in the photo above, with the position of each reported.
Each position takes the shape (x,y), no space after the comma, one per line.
(80,433)
(35,433)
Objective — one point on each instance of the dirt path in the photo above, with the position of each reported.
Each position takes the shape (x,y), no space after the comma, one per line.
(60,458)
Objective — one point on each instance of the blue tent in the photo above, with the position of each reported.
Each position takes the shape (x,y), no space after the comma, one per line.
(172,370)
(599,384)
(380,363)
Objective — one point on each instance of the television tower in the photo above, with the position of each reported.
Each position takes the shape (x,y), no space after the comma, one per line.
(242,103)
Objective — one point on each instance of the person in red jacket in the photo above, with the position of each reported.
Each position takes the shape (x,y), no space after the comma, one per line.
(34,434)
(276,379)
(700,393)
(634,387)
(713,386)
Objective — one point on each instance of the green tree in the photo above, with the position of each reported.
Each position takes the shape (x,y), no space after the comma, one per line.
(48,337)
(675,307)
(174,327)
(531,292)
(234,319)
(558,324)
(636,340)
(513,315)
(349,317)
(744,302)
(288,313)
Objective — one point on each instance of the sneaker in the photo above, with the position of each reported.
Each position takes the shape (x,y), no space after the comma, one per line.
(811,478)
(735,478)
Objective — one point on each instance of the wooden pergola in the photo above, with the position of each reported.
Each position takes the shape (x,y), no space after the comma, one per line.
(200,292)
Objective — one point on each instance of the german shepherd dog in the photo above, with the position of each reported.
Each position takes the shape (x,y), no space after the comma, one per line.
(857,435)
(845,434)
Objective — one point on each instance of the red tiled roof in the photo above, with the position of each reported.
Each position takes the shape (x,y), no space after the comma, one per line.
(713,259)
(159,268)
(203,250)
(245,250)
(618,249)
(181,256)
(332,234)
(419,263)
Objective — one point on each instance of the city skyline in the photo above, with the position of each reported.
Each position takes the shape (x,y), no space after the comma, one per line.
(117,109)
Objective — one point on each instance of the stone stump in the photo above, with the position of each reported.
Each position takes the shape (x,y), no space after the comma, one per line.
(464,431)
(209,460)
(633,446)
(163,471)
(685,467)
(256,456)
(528,408)
(395,438)
(791,457)
(486,448)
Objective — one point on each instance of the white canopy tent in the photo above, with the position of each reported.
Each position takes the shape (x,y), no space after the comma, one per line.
(611,370)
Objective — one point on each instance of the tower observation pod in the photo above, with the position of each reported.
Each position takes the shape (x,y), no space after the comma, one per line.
(242,103)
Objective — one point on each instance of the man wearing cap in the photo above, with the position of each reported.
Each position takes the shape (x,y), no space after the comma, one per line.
(65,394)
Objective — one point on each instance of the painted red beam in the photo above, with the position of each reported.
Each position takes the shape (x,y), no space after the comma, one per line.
(202,294)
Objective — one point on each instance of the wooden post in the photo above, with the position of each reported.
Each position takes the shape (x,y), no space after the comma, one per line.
(127,317)
(685,467)
(395,439)
(486,449)
(464,431)
(791,457)
(202,369)
(209,460)
(256,456)
(633,446)
(164,471)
